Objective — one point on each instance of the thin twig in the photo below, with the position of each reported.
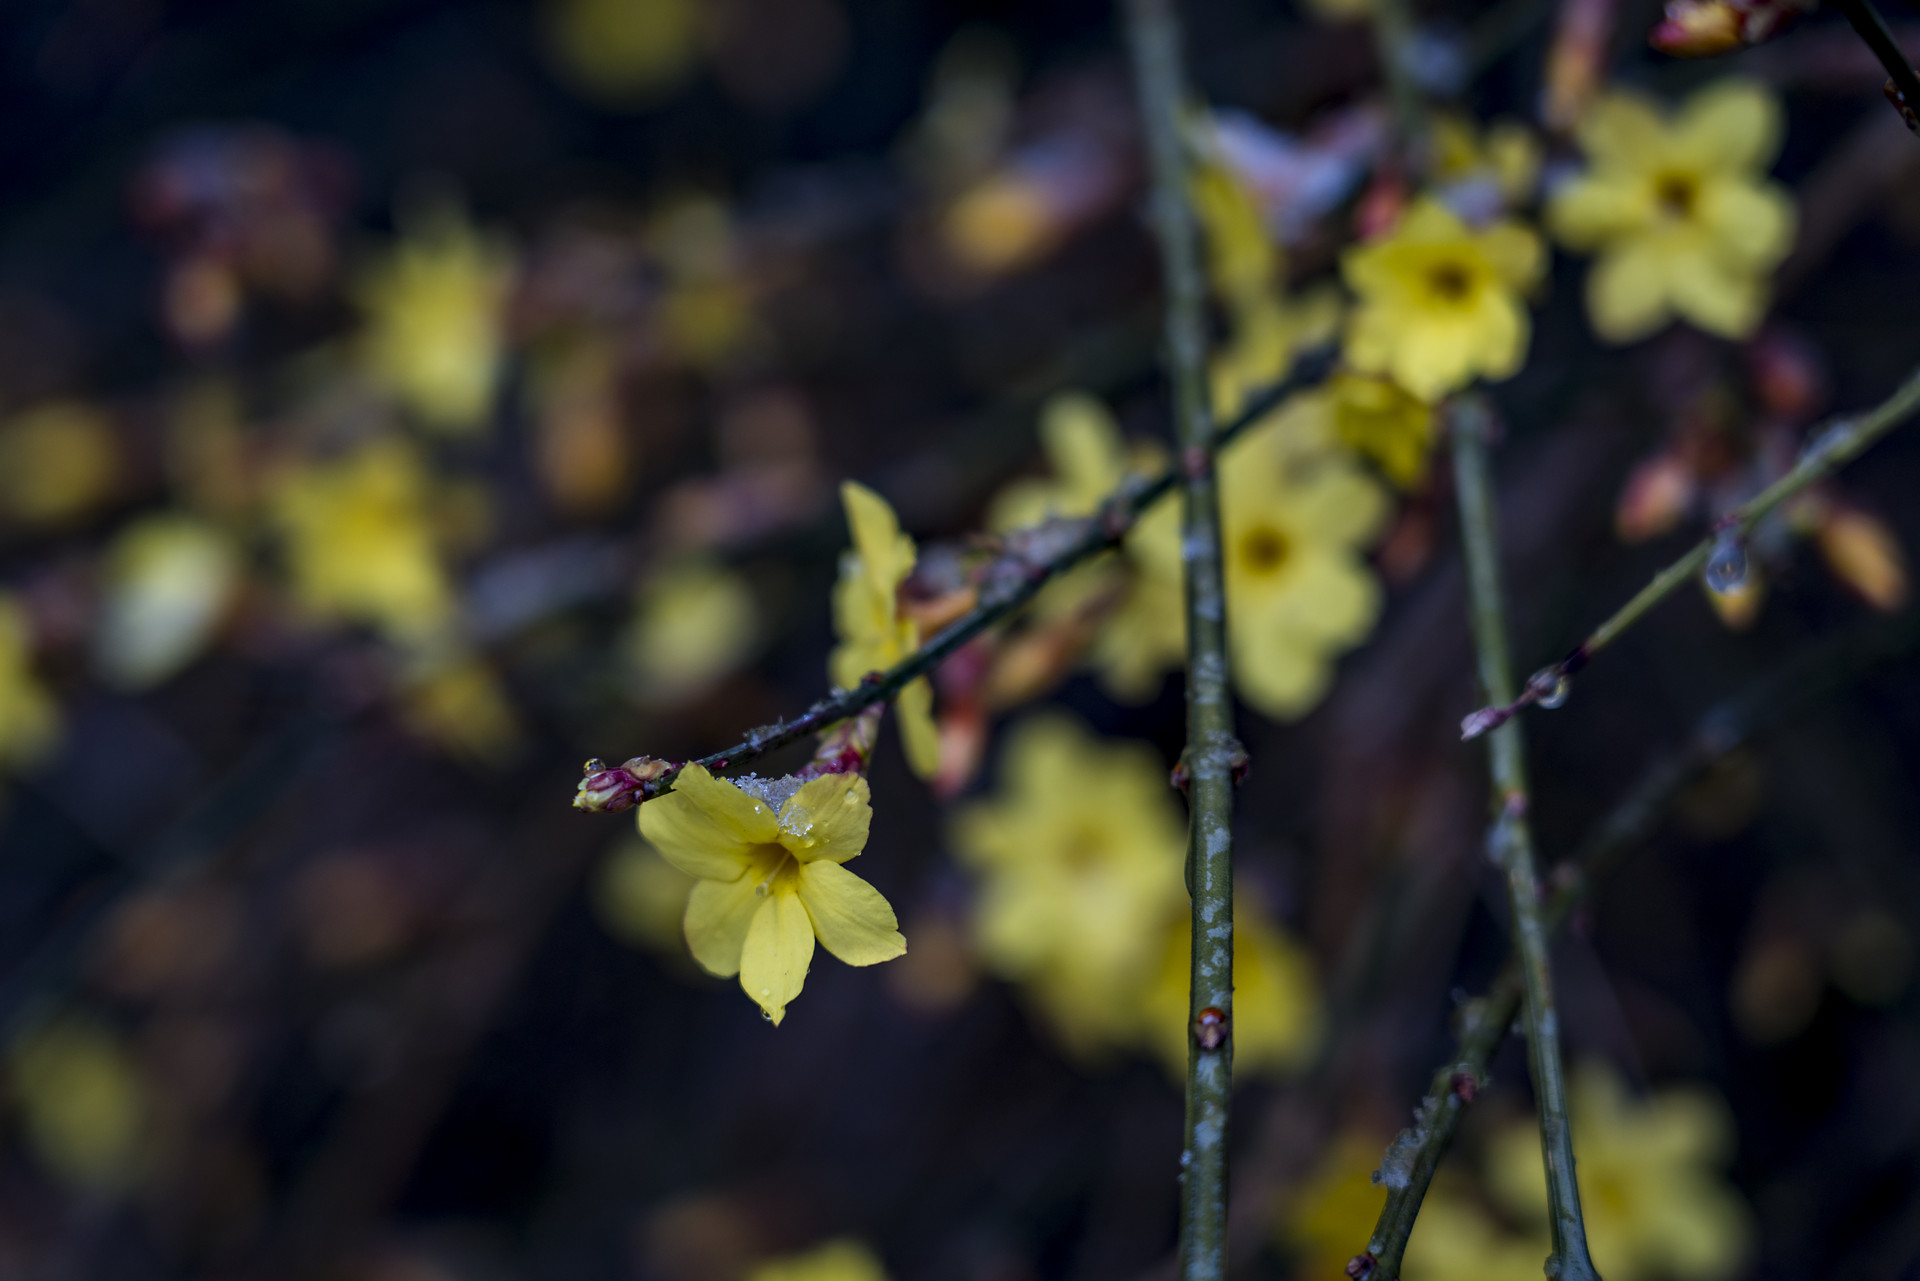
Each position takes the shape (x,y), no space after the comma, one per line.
(1511,842)
(1872,28)
(1483,1022)
(1033,557)
(1834,444)
(1212,757)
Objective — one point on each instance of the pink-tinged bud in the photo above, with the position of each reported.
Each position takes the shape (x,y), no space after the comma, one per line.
(609,791)
(1863,553)
(1789,375)
(1697,29)
(1658,493)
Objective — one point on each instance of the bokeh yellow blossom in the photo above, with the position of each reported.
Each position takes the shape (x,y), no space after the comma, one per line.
(842,1259)
(768,855)
(1377,418)
(1678,211)
(693,623)
(434,308)
(58,462)
(706,313)
(1276,1005)
(1656,1204)
(1440,302)
(642,898)
(866,616)
(1454,1239)
(1492,168)
(456,702)
(29,718)
(1078,857)
(624,52)
(359,541)
(83,1102)
(167,581)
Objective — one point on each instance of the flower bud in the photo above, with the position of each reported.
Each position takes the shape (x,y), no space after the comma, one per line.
(1655,497)
(1863,554)
(1697,29)
(609,791)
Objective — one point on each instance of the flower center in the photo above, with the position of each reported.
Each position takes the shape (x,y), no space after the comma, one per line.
(765,865)
(1263,550)
(1084,850)
(1677,193)
(1450,282)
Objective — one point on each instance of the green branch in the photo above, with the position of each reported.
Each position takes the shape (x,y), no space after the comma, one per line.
(1511,843)
(1212,753)
(1834,444)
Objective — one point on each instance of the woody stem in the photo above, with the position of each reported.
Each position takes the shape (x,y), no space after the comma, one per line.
(1511,840)
(1153,32)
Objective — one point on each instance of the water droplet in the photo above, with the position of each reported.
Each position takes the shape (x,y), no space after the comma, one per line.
(1726,571)
(1553,686)
(766,991)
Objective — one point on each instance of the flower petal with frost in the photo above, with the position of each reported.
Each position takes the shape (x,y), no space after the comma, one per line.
(768,855)
(1078,857)
(866,617)
(1678,211)
(1440,303)
(1655,1202)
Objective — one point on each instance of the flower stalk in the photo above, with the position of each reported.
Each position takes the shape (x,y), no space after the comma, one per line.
(1903,83)
(1830,447)
(1153,31)
(1511,842)
(1482,1022)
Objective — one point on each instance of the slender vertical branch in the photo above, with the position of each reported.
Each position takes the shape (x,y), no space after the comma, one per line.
(1872,28)
(1212,754)
(1511,842)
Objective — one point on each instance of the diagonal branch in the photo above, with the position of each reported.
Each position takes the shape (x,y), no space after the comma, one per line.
(1510,841)
(1836,443)
(1213,755)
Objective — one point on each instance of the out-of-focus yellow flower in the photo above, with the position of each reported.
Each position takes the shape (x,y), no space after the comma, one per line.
(582,450)
(1276,1006)
(842,1259)
(83,1102)
(58,462)
(456,702)
(1087,458)
(359,541)
(29,718)
(1654,1200)
(168,579)
(1298,590)
(1863,553)
(624,52)
(1504,157)
(1455,1240)
(768,855)
(1440,303)
(1330,1216)
(434,311)
(1375,417)
(1242,260)
(706,313)
(866,617)
(1079,858)
(643,898)
(1678,211)
(692,625)
(1000,224)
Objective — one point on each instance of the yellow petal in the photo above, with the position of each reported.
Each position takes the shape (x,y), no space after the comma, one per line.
(706,826)
(1621,130)
(1751,225)
(1731,125)
(919,736)
(1281,678)
(854,921)
(1627,293)
(1585,213)
(778,950)
(827,819)
(1083,445)
(718,914)
(1515,254)
(1721,301)
(886,554)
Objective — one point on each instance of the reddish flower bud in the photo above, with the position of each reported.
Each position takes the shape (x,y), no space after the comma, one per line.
(1697,29)
(609,791)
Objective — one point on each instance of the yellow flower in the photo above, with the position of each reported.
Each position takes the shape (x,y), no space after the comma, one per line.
(1504,160)
(1678,211)
(866,616)
(434,319)
(28,717)
(693,624)
(624,52)
(58,462)
(1078,859)
(359,541)
(1455,1240)
(1654,1202)
(83,1102)
(1330,1216)
(456,702)
(768,855)
(842,1259)
(642,898)
(1439,302)
(168,579)
(1084,449)
(1373,416)
(1276,1008)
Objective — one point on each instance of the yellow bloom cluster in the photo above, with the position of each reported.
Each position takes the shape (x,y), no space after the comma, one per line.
(866,616)
(1678,211)
(1080,901)
(768,856)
